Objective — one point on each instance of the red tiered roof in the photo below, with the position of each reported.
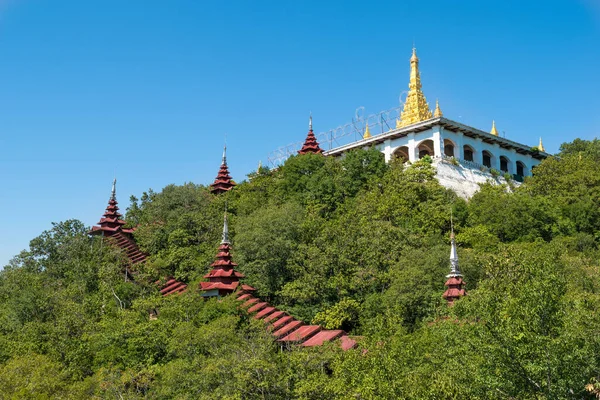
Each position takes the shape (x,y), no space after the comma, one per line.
(456,289)
(111,226)
(223,277)
(223,181)
(111,221)
(310,144)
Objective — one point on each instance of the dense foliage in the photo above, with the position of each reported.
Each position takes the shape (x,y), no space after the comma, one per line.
(347,243)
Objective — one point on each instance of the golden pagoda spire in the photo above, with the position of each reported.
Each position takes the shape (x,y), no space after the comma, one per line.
(416,108)
(367,133)
(438,111)
(541,146)
(494,131)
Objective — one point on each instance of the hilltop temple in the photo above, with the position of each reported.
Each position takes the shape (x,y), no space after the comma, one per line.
(464,156)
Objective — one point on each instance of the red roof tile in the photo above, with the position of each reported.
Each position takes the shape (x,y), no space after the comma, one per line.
(250,302)
(264,312)
(257,307)
(301,334)
(322,337)
(287,328)
(280,322)
(274,316)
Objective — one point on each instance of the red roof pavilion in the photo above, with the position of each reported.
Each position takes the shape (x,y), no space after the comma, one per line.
(223,278)
(112,226)
(223,181)
(111,221)
(310,144)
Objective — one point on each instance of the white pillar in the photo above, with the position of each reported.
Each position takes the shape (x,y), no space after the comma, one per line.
(438,145)
(460,152)
(478,156)
(387,150)
(412,149)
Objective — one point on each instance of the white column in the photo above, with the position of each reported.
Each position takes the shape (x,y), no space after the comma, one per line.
(387,150)
(412,149)
(460,152)
(438,146)
(478,156)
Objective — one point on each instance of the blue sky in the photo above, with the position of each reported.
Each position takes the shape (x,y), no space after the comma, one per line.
(148,89)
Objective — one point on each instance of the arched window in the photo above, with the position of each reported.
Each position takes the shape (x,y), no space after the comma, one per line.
(487,158)
(521,169)
(504,164)
(426,148)
(449,148)
(402,152)
(468,152)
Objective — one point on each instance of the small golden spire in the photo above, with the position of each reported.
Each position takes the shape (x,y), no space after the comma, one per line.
(494,131)
(438,112)
(367,133)
(416,108)
(541,146)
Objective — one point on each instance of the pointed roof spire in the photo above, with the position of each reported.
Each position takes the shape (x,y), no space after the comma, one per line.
(416,108)
(310,143)
(223,277)
(113,194)
(455,283)
(111,221)
(494,131)
(541,146)
(367,133)
(438,111)
(225,236)
(223,181)
(454,271)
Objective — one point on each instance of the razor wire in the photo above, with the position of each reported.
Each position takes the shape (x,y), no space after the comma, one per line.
(351,132)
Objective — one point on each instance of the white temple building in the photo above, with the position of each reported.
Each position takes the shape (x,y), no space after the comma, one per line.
(464,156)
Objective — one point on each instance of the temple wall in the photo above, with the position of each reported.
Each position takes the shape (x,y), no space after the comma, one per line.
(464,180)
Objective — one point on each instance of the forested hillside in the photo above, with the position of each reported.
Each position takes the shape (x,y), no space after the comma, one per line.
(347,243)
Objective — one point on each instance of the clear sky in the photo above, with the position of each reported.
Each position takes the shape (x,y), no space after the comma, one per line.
(147,89)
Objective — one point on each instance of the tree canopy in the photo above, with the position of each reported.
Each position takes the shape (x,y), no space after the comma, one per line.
(351,243)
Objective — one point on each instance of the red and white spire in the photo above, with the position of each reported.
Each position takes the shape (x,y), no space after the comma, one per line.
(310,144)
(455,283)
(223,181)
(223,278)
(111,221)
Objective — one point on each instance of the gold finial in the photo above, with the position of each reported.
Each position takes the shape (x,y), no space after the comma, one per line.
(414,54)
(416,108)
(541,146)
(367,133)
(438,112)
(494,131)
